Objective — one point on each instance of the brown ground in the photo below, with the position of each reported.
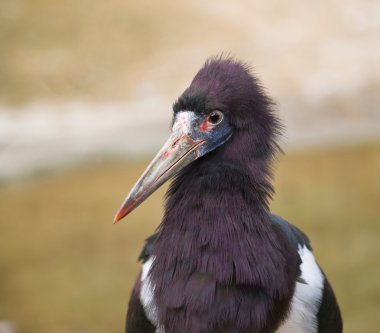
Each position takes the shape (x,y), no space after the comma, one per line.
(66,268)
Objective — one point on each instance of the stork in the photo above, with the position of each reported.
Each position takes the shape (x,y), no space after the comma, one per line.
(220,262)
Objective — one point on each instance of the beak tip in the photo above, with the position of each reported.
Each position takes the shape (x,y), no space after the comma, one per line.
(125,209)
(119,215)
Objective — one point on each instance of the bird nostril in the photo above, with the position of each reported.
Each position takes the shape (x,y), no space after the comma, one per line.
(174,143)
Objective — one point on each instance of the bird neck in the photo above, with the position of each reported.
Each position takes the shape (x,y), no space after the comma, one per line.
(217,212)
(217,188)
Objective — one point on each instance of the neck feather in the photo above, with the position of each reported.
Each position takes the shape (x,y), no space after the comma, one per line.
(217,212)
(216,241)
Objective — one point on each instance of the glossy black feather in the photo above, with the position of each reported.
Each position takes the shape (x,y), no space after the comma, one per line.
(294,235)
(329,317)
(146,252)
(221,267)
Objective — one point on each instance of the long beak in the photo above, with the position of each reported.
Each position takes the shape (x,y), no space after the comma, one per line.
(178,151)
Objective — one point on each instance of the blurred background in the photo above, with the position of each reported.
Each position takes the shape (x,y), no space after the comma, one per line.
(86,89)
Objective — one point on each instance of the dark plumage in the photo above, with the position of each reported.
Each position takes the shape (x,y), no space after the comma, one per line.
(220,262)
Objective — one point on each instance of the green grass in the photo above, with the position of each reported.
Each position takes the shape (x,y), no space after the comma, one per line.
(65,267)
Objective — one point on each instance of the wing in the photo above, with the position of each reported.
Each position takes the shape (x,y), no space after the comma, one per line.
(137,321)
(314,306)
(147,249)
(329,317)
(296,237)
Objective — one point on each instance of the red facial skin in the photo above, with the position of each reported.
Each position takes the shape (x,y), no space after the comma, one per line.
(204,125)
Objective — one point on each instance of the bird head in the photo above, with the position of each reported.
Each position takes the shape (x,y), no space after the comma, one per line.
(225,111)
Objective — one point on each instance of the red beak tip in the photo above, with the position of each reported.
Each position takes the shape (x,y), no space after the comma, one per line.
(118,217)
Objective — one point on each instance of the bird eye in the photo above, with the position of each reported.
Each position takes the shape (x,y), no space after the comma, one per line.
(215,117)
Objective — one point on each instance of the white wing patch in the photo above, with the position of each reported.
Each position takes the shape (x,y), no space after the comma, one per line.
(147,295)
(307,297)
(304,307)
